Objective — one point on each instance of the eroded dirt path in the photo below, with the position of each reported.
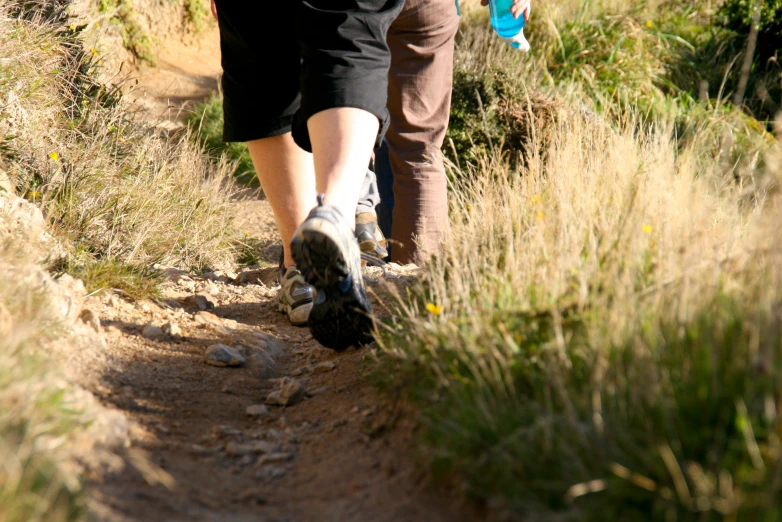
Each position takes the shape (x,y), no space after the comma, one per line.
(219,452)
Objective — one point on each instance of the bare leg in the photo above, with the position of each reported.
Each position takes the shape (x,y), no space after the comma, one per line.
(288,179)
(342,142)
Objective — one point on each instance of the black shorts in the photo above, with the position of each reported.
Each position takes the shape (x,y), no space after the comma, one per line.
(287,60)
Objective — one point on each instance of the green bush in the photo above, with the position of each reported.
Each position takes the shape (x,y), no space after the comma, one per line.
(738,15)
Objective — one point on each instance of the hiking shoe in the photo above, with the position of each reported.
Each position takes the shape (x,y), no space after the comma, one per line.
(326,252)
(295,297)
(369,236)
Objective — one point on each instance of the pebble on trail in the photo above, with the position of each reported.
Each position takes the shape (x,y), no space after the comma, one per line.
(222,355)
(256,410)
(153,333)
(172,329)
(202,301)
(291,392)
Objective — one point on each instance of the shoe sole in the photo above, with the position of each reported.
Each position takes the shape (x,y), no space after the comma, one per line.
(298,316)
(339,317)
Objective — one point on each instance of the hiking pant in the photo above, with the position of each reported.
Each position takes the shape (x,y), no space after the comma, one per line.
(421,40)
(286,60)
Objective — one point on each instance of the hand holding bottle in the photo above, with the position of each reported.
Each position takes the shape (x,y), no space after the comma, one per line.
(508,22)
(519,7)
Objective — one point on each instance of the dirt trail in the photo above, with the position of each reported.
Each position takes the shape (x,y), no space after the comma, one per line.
(342,454)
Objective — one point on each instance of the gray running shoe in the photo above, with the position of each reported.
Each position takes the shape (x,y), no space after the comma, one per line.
(326,252)
(295,297)
(370,238)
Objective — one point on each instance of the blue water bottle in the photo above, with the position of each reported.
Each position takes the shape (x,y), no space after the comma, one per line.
(509,28)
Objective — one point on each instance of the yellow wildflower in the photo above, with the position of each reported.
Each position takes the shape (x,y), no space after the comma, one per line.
(34,194)
(94,51)
(469,208)
(648,229)
(72,27)
(649,24)
(434,309)
(54,156)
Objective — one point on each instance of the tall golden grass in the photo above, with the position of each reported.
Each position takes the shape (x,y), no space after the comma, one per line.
(602,334)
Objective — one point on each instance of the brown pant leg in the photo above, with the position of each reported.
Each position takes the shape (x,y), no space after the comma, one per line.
(419,100)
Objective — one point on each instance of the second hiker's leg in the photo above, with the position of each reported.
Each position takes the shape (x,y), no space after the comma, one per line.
(422,46)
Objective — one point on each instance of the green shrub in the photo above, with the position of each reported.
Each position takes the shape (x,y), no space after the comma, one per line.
(739,14)
(135,37)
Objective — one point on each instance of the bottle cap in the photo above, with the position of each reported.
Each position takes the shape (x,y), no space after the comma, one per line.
(519,41)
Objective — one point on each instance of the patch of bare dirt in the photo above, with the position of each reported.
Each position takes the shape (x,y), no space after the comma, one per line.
(185,72)
(337,451)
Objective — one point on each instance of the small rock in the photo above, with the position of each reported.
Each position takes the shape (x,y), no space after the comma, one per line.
(233,449)
(153,333)
(292,392)
(246,460)
(209,276)
(227,431)
(213,322)
(202,301)
(325,366)
(172,273)
(225,275)
(172,329)
(297,372)
(256,410)
(270,473)
(197,449)
(275,434)
(91,319)
(276,457)
(318,391)
(262,446)
(207,318)
(222,355)
(187,284)
(273,399)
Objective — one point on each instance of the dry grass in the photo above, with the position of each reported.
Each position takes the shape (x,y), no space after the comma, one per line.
(114,192)
(37,480)
(601,337)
